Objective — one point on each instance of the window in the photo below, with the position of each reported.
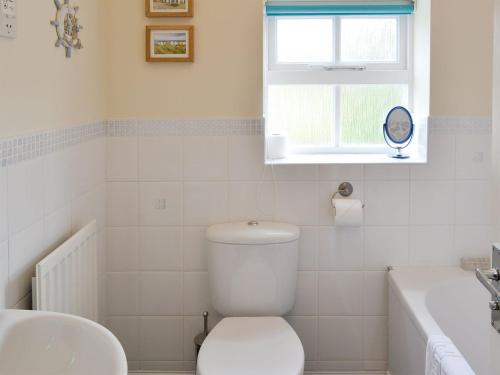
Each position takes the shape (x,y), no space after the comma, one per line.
(331,80)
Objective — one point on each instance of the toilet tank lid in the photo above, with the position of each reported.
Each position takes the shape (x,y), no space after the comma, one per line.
(253,233)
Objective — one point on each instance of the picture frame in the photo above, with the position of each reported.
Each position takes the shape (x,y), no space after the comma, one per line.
(169,8)
(170,43)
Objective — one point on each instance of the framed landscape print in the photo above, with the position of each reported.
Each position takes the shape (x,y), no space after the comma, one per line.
(169,8)
(173,43)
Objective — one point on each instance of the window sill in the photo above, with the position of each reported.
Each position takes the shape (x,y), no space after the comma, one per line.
(316,159)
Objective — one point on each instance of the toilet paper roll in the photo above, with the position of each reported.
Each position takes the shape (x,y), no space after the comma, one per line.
(277,146)
(348,212)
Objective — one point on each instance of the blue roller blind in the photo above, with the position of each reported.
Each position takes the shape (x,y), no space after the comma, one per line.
(341,8)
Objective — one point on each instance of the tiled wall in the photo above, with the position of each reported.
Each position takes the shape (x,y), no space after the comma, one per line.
(51,184)
(168,180)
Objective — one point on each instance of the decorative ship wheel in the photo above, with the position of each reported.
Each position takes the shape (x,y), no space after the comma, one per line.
(67,26)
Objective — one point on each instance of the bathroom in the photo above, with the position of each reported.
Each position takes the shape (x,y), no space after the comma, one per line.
(154,150)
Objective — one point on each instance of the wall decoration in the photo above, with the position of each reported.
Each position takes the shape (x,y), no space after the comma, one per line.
(170,43)
(67,26)
(169,8)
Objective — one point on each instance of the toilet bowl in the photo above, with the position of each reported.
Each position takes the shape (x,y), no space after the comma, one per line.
(251,346)
(252,270)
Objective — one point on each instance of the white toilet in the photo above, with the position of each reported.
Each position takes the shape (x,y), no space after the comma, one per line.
(253,275)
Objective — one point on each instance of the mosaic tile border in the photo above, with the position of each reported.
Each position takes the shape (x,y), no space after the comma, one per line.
(460,125)
(241,127)
(17,149)
(194,127)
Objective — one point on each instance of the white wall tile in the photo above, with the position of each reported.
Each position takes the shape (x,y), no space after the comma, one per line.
(122,203)
(473,203)
(387,203)
(375,338)
(386,246)
(441,160)
(57,228)
(122,293)
(4,274)
(57,182)
(160,158)
(205,158)
(431,246)
(339,293)
(89,165)
(26,248)
(25,194)
(161,338)
(306,328)
(387,172)
(341,248)
(375,293)
(340,338)
(472,241)
(152,197)
(306,297)
(126,330)
(160,293)
(297,203)
(4,224)
(432,202)
(205,203)
(122,249)
(341,172)
(89,206)
(196,294)
(194,249)
(160,248)
(473,156)
(250,201)
(121,158)
(295,172)
(246,158)
(308,248)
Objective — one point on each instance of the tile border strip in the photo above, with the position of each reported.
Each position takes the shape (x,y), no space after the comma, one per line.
(30,146)
(18,149)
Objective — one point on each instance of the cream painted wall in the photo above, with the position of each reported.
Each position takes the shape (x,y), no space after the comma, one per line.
(462,57)
(225,79)
(39,87)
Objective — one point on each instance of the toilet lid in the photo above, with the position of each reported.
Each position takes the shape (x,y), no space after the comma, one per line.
(252,346)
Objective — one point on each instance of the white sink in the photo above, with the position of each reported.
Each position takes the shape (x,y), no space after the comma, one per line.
(43,343)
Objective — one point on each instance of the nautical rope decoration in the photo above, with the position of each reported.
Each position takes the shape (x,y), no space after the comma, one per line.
(67,26)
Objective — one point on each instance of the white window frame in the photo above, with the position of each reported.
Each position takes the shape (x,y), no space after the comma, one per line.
(340,73)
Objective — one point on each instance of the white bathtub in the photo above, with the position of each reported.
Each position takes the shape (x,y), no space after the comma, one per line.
(443,301)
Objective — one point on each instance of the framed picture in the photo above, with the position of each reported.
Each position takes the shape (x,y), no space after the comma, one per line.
(169,8)
(174,43)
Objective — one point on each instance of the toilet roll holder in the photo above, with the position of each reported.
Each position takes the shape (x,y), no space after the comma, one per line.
(345,190)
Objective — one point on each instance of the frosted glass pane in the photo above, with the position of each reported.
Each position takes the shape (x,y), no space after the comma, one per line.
(304,40)
(364,109)
(304,112)
(369,40)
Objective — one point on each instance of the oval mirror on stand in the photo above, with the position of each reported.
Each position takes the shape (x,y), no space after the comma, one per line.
(399,130)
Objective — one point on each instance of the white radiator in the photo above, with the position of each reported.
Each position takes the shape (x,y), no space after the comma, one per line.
(66,280)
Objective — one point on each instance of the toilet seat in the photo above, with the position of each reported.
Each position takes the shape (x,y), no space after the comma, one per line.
(252,346)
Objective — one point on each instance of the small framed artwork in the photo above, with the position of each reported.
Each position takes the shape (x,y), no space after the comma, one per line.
(173,43)
(169,8)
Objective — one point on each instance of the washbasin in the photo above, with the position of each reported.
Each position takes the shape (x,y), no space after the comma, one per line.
(45,343)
